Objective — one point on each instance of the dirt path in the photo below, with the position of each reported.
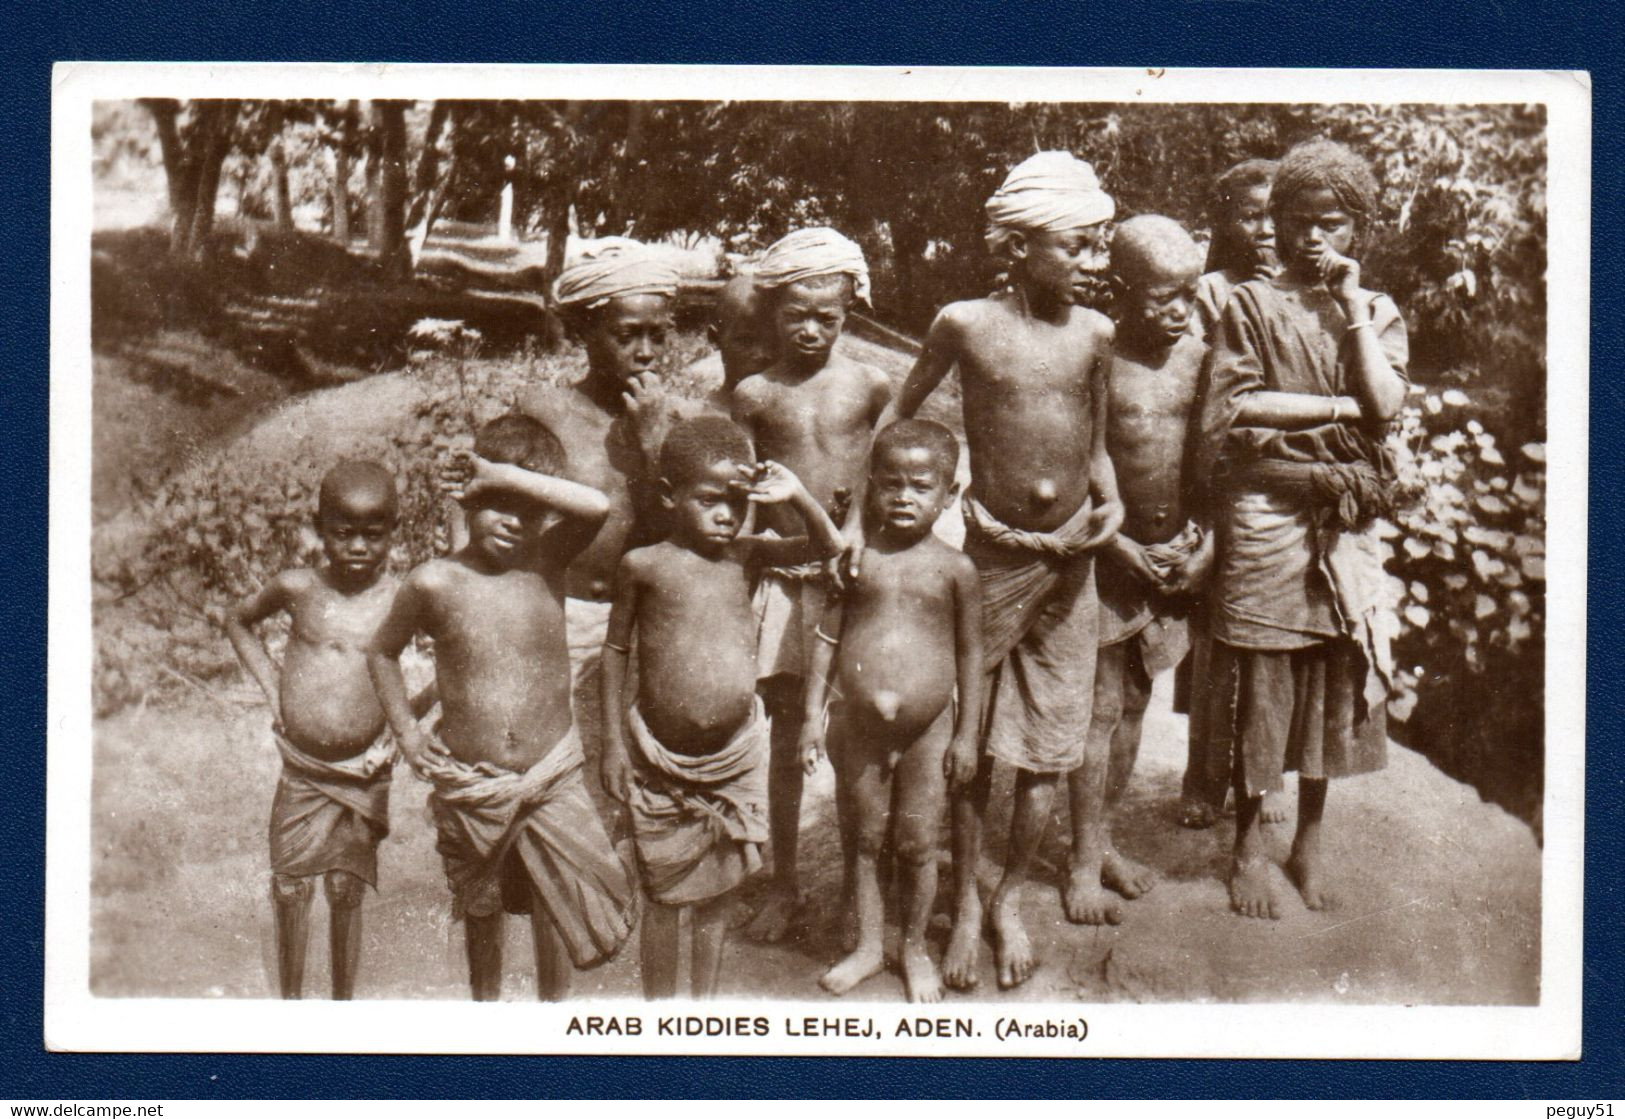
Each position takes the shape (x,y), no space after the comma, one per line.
(1442,890)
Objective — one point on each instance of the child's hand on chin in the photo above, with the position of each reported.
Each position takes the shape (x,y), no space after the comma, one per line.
(1341,274)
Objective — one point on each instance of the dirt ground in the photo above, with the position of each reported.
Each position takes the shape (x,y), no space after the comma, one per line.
(1441,891)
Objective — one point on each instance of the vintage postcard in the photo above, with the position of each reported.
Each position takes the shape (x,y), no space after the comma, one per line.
(801,561)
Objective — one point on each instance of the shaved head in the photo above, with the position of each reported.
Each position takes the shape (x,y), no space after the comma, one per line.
(739,299)
(1151,249)
(359,489)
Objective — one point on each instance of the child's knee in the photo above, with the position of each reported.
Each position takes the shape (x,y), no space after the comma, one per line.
(344,890)
(871,836)
(1108,708)
(916,844)
(288,889)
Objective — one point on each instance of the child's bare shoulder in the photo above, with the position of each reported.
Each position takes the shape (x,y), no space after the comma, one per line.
(434,576)
(1091,320)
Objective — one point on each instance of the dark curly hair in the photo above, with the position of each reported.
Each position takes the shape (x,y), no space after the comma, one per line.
(523,441)
(928,434)
(1326,165)
(695,444)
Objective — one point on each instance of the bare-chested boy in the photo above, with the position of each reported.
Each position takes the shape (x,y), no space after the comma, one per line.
(1147,572)
(907,636)
(694,778)
(619,302)
(514,825)
(332,800)
(814,410)
(1033,367)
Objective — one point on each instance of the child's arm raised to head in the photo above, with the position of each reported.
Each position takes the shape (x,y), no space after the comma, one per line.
(773,484)
(404,620)
(572,499)
(962,758)
(615,765)
(275,596)
(1378,360)
(816,695)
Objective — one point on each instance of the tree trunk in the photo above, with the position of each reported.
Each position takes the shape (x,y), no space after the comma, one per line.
(281,203)
(389,199)
(211,141)
(341,176)
(178,170)
(426,178)
(557,217)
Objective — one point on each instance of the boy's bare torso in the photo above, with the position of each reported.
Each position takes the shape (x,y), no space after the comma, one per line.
(603,454)
(501,660)
(897,662)
(1146,432)
(696,637)
(328,706)
(1028,403)
(818,426)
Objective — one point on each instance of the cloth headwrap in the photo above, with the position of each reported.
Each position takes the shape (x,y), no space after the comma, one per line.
(619,267)
(1051,190)
(808,253)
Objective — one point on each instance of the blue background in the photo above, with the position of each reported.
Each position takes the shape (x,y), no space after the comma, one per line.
(1397,33)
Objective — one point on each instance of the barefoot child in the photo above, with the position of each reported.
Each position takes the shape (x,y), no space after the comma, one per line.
(514,825)
(332,800)
(1307,369)
(1147,572)
(1243,248)
(906,636)
(619,302)
(694,777)
(814,410)
(1033,369)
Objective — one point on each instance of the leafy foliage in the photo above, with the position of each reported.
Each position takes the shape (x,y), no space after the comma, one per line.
(1467,576)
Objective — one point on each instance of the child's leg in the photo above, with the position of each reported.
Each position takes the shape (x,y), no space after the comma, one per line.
(344,894)
(553,966)
(1013,951)
(869,785)
(1265,708)
(841,760)
(482,937)
(920,792)
(967,808)
(290,901)
(782,697)
(710,933)
(1085,901)
(1304,864)
(1127,877)
(657,950)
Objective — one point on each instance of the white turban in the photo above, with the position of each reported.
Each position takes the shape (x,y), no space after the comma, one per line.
(808,253)
(1052,191)
(619,266)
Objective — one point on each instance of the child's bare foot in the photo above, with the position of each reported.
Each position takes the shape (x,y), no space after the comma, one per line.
(774,920)
(1273,811)
(1252,894)
(1012,951)
(920,976)
(964,945)
(1303,867)
(1127,877)
(1197,814)
(1085,901)
(857,967)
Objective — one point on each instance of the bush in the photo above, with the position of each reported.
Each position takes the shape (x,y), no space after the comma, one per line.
(1466,563)
(167,573)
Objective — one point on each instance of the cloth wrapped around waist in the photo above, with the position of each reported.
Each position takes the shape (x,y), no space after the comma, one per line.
(330,815)
(544,818)
(1041,636)
(1132,610)
(699,821)
(1018,568)
(1339,473)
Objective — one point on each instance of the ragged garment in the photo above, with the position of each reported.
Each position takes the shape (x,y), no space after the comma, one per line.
(539,825)
(1131,610)
(1040,637)
(330,815)
(698,822)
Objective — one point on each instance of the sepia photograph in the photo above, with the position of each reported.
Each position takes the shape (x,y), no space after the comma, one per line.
(829,554)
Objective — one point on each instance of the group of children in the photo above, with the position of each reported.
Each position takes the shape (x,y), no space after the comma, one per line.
(1192,479)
